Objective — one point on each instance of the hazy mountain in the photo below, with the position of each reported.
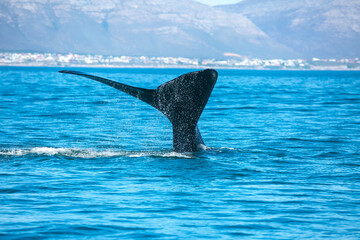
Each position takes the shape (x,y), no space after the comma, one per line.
(323,28)
(131,27)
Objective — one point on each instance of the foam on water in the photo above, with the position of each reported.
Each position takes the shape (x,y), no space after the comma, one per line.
(90,153)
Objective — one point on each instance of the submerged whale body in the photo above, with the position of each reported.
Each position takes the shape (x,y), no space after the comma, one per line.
(181,100)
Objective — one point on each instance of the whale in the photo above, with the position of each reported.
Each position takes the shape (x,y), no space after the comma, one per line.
(182,100)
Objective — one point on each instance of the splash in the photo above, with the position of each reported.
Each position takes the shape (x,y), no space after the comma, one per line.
(90,153)
(162,154)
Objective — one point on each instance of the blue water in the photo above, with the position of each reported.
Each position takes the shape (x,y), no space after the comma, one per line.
(80,160)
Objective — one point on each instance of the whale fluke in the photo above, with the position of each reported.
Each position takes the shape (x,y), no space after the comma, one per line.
(145,95)
(181,100)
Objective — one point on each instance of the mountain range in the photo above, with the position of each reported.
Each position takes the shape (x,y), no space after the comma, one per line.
(252,28)
(322,28)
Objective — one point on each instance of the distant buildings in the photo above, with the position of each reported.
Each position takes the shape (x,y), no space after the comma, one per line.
(229,61)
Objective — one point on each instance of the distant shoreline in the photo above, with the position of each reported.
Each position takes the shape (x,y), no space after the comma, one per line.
(185,67)
(71,60)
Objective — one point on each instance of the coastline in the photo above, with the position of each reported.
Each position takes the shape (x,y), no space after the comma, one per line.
(153,66)
(70,60)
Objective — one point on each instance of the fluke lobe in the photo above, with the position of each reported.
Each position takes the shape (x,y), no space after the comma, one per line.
(181,100)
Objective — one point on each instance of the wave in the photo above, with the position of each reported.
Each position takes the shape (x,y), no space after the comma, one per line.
(90,153)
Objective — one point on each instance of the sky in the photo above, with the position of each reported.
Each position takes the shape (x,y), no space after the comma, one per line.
(218,2)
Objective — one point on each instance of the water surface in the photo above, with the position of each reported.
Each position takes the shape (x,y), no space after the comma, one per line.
(81,160)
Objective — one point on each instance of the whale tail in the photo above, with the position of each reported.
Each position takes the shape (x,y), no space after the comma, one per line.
(181,100)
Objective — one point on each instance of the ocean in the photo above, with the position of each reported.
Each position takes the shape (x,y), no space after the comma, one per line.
(81,160)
